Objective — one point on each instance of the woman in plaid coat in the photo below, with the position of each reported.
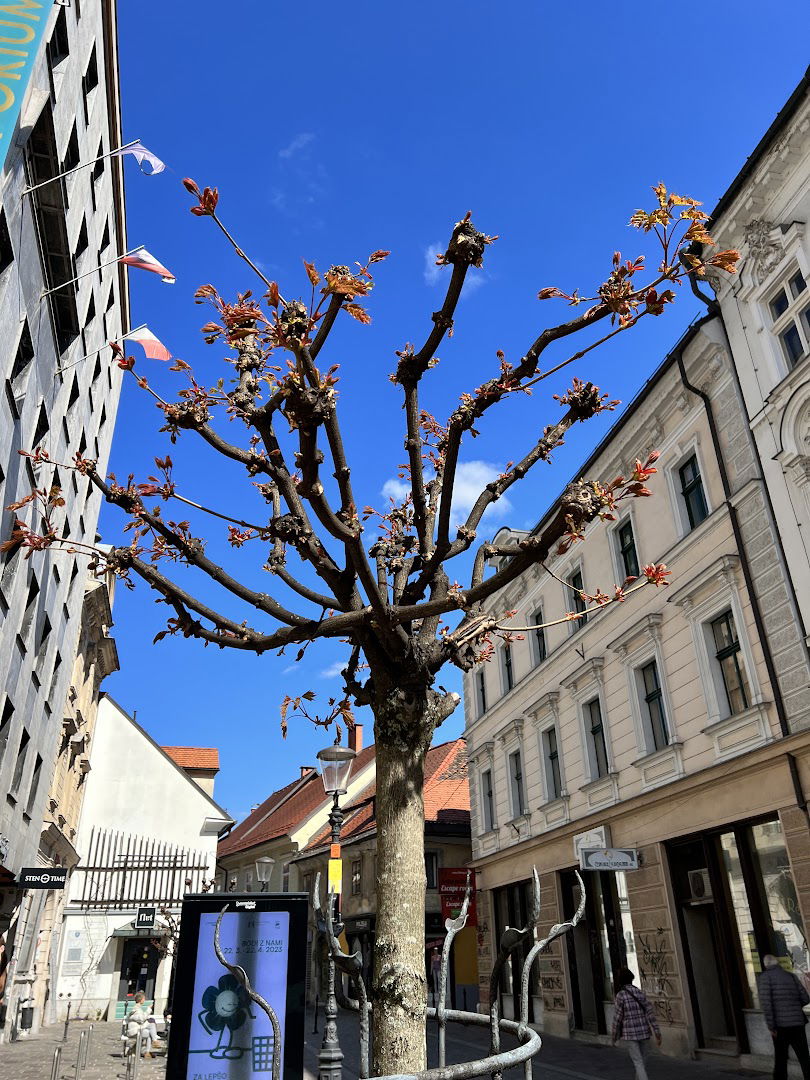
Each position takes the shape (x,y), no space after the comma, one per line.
(634,1021)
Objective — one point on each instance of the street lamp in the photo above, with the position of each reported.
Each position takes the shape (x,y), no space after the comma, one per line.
(264,868)
(336,766)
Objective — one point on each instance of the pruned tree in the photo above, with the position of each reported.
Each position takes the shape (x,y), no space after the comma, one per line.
(394,602)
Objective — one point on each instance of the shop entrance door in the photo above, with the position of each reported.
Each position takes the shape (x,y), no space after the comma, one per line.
(700,889)
(139,964)
(512,909)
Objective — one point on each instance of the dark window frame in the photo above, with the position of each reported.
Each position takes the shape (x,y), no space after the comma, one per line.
(626,543)
(731,652)
(551,757)
(654,701)
(595,727)
(692,491)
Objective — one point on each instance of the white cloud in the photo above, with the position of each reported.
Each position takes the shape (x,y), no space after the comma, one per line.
(434,274)
(471,479)
(333,670)
(296,144)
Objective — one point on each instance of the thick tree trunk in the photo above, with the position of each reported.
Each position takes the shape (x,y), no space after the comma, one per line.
(399,991)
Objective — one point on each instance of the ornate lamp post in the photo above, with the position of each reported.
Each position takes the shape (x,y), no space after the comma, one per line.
(264,868)
(336,766)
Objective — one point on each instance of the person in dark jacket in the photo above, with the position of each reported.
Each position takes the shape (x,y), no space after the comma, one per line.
(782,998)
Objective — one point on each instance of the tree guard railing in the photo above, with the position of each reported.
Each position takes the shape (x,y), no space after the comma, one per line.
(350,965)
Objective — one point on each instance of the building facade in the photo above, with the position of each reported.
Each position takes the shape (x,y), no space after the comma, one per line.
(147,835)
(676,724)
(58,394)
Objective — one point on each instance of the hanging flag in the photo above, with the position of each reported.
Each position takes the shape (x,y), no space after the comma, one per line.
(152,346)
(141,259)
(141,154)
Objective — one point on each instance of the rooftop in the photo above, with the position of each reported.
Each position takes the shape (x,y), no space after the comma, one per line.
(194,757)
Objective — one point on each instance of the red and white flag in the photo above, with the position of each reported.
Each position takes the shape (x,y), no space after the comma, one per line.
(141,259)
(141,154)
(152,346)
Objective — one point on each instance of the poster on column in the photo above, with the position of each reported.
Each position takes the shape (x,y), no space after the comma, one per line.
(218,1032)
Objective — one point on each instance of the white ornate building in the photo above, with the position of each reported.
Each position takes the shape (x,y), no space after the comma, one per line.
(676,724)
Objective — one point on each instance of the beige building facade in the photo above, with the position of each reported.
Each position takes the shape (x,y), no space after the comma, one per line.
(675,724)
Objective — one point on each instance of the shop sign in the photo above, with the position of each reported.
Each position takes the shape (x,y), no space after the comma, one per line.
(145,919)
(608,859)
(38,877)
(216,1029)
(594,838)
(452,887)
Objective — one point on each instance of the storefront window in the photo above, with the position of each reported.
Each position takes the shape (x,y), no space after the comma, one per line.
(604,940)
(788,939)
(742,917)
(626,925)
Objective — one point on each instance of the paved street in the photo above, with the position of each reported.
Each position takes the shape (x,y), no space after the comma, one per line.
(560,1059)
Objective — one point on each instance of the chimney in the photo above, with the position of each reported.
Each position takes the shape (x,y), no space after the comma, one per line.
(355,737)
(304,770)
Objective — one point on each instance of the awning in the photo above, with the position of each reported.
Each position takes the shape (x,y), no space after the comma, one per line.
(130,931)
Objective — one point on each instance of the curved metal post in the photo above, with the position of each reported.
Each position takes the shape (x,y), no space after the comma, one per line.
(510,939)
(241,977)
(350,964)
(452,926)
(556,931)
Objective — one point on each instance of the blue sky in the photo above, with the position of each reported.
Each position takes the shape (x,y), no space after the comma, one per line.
(337,132)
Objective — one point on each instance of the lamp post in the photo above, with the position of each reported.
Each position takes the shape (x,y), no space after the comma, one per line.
(336,766)
(264,868)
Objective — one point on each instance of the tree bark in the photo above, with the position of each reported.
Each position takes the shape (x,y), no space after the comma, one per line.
(399,990)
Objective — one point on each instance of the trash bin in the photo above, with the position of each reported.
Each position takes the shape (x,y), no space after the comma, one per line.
(27,1018)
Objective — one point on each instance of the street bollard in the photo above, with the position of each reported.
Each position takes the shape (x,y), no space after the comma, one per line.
(317,1003)
(57,1057)
(136,1064)
(80,1054)
(87,1043)
(67,1020)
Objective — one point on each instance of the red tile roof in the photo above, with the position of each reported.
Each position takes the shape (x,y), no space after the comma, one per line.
(193,757)
(447,795)
(283,811)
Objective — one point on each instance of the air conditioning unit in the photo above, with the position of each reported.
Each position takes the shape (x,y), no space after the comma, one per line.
(700,886)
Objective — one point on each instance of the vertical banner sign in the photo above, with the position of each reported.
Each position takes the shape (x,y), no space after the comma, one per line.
(22,24)
(452,887)
(218,1032)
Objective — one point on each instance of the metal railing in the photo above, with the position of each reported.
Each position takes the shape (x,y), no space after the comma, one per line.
(350,965)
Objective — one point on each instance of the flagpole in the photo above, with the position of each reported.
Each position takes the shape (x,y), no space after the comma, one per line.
(123,337)
(87,273)
(84,165)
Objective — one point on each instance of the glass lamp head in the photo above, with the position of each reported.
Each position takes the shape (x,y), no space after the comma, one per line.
(336,767)
(264,867)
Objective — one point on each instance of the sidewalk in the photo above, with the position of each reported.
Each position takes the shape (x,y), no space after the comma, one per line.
(32,1059)
(559,1059)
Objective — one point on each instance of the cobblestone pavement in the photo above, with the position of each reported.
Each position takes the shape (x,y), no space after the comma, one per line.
(560,1059)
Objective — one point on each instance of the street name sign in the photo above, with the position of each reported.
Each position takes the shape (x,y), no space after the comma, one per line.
(43,877)
(608,859)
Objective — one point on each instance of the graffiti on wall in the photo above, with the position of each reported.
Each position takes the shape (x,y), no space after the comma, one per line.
(656,977)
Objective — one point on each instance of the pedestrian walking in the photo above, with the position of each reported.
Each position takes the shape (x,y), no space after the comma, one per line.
(782,998)
(634,1021)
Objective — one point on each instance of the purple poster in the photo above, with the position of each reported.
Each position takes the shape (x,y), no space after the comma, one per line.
(231,1038)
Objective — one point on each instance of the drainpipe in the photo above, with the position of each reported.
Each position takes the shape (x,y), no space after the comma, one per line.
(778,701)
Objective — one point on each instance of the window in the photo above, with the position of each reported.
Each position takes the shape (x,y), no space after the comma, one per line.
(540,647)
(790,315)
(551,757)
(72,156)
(59,46)
(98,168)
(30,605)
(627,548)
(81,242)
(248,880)
(658,736)
(89,83)
(481,691)
(516,784)
(42,427)
(487,800)
(357,876)
(285,877)
(576,599)
(506,665)
(34,787)
(105,238)
(6,250)
(432,869)
(735,681)
(19,767)
(596,738)
(5,726)
(692,491)
(24,354)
